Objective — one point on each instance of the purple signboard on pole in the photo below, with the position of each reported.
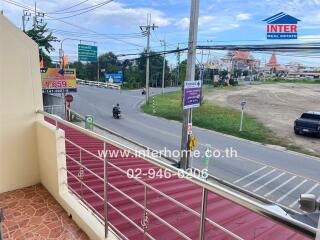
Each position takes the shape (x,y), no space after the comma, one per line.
(192,94)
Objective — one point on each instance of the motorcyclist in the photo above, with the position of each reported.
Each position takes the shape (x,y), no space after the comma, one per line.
(116,110)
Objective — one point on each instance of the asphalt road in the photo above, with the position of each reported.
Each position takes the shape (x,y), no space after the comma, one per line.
(272,173)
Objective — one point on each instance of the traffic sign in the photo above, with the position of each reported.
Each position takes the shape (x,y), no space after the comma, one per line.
(68,98)
(192,94)
(87,53)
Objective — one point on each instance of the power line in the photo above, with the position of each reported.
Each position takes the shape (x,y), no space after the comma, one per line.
(68,23)
(96,35)
(73,6)
(87,8)
(86,11)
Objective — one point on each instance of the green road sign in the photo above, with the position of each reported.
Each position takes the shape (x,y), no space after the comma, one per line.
(87,53)
(89,122)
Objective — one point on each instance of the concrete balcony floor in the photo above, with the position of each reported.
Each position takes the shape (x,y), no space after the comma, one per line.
(32,213)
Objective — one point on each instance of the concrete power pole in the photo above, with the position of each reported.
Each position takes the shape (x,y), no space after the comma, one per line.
(164,63)
(185,161)
(25,18)
(178,62)
(35,20)
(147,30)
(202,67)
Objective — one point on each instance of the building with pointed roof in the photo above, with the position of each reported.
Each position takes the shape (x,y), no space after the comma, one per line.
(273,65)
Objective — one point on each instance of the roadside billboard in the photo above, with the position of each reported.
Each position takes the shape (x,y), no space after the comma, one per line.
(56,80)
(114,77)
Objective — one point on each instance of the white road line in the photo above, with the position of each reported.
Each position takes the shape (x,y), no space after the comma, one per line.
(240,179)
(292,190)
(280,186)
(257,179)
(273,179)
(309,191)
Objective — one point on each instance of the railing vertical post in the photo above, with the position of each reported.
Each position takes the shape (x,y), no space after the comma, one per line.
(145,218)
(1,220)
(105,189)
(81,173)
(203,213)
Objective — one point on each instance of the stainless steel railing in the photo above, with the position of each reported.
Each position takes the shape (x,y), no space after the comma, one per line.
(205,186)
(1,220)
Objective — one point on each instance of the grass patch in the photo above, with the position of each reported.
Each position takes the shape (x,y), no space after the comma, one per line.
(289,80)
(213,117)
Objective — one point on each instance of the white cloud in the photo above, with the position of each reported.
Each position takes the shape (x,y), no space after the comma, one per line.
(209,23)
(120,14)
(243,16)
(309,38)
(183,23)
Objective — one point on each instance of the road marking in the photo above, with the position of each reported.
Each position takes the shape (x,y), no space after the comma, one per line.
(256,180)
(240,179)
(280,186)
(292,190)
(309,191)
(273,179)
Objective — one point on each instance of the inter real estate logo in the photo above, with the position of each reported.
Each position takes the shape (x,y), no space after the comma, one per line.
(282,26)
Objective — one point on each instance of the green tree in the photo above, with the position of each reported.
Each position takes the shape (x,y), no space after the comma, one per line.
(156,66)
(44,38)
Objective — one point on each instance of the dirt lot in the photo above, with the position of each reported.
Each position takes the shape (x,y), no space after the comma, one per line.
(275,105)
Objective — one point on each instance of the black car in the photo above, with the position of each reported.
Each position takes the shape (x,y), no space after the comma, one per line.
(308,123)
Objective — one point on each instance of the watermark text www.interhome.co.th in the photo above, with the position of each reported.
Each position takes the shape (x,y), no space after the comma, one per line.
(209,152)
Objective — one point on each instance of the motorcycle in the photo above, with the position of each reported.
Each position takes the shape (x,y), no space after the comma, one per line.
(116,114)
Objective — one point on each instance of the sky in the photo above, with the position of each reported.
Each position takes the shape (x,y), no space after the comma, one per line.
(220,22)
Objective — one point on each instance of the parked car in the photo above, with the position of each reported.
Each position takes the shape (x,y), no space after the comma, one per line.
(308,123)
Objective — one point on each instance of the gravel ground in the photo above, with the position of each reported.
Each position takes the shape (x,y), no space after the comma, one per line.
(275,105)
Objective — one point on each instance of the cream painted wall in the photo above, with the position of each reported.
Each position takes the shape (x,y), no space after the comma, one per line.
(20,97)
(51,151)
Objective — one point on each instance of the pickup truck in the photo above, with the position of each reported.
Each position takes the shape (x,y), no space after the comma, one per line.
(308,123)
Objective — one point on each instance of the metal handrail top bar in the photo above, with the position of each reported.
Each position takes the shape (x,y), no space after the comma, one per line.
(49,106)
(212,187)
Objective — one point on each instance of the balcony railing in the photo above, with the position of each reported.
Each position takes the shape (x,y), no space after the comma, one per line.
(78,164)
(1,220)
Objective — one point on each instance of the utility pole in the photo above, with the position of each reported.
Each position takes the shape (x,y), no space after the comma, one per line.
(178,62)
(164,63)
(36,15)
(147,30)
(35,20)
(185,161)
(202,67)
(25,18)
(98,66)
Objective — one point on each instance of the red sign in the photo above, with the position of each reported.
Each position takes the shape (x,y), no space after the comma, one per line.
(68,98)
